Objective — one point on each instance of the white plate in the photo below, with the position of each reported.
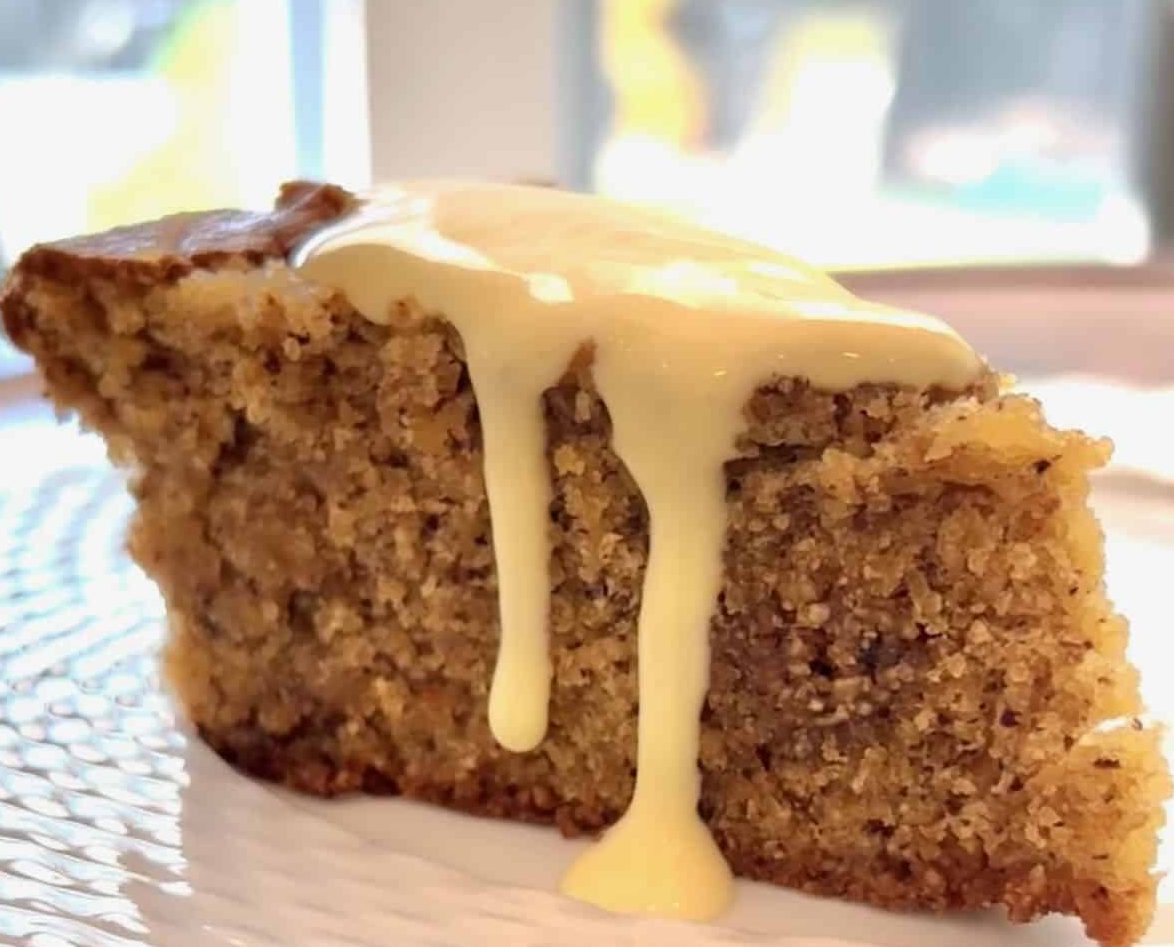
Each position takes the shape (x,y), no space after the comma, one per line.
(117,827)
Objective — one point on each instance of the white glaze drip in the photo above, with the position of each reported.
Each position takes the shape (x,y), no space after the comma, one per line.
(685,324)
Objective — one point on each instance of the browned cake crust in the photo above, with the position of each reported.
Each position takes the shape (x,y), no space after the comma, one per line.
(911,652)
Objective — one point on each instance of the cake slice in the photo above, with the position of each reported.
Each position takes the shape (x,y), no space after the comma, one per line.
(917,693)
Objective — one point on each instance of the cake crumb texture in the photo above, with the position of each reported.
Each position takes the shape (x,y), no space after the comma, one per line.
(919,694)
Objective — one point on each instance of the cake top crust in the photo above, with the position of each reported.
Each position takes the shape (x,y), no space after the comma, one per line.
(171,247)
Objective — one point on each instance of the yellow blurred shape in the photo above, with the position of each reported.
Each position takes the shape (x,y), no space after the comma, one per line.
(657,93)
(194,168)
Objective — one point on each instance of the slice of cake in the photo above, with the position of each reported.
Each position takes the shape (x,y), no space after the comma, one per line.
(458,491)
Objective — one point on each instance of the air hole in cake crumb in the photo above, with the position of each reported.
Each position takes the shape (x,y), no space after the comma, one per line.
(157,361)
(821,668)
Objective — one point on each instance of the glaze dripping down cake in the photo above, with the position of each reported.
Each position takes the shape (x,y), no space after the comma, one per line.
(359,438)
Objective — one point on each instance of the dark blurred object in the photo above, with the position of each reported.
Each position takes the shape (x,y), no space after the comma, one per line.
(117,35)
(1010,101)
(947,131)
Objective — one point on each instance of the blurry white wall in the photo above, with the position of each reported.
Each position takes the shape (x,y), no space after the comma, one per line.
(462,87)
